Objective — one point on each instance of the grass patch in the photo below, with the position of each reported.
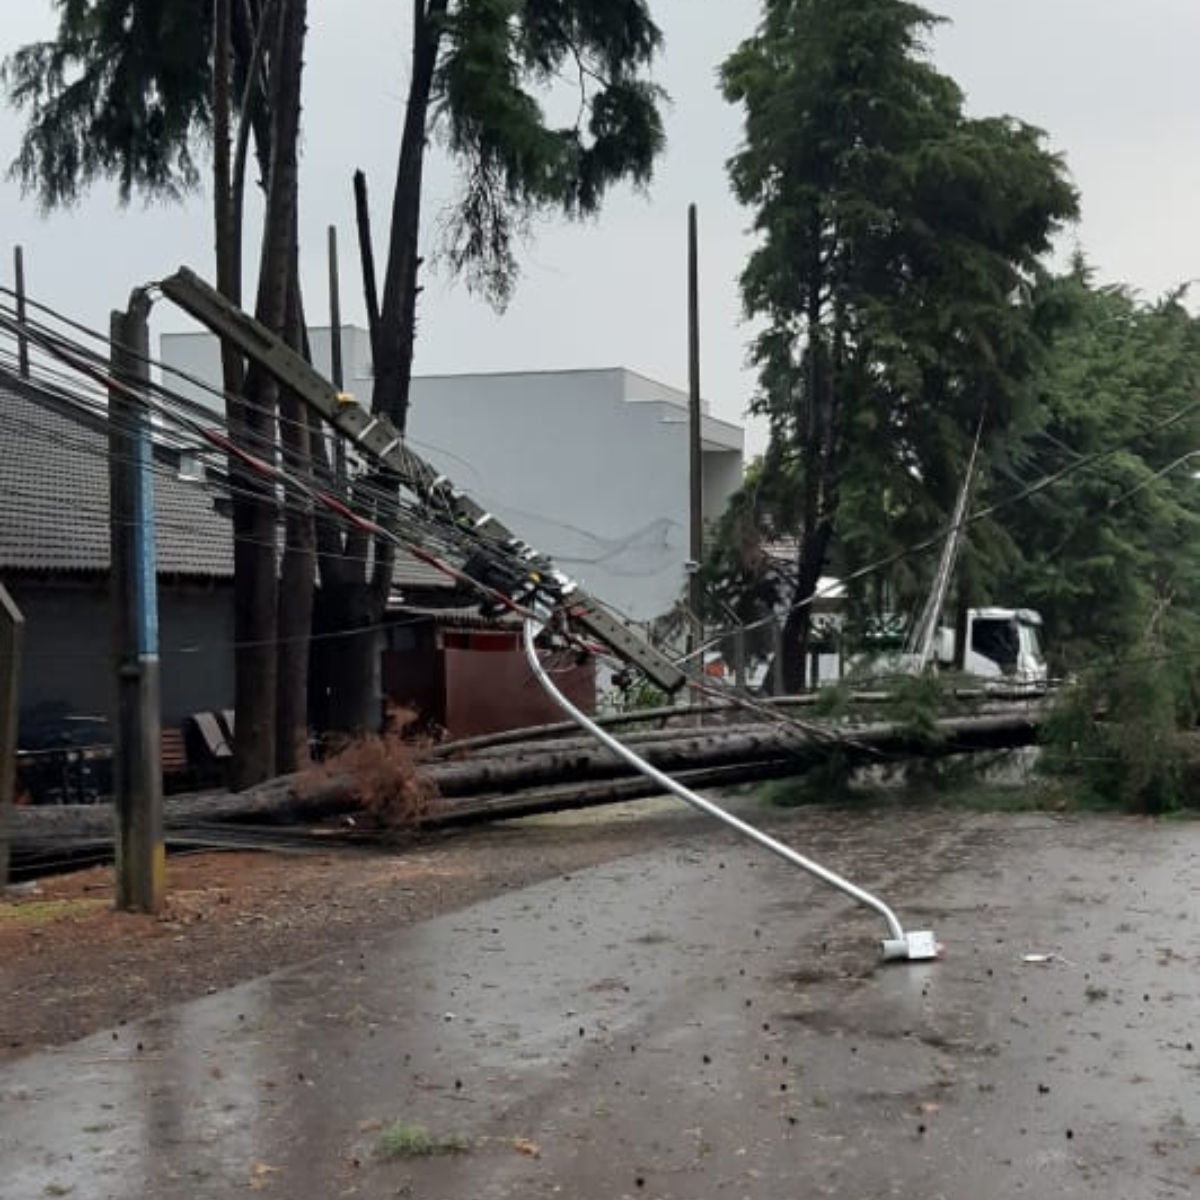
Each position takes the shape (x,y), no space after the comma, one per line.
(42,912)
(402,1139)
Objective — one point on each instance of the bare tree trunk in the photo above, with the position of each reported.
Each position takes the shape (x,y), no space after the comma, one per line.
(797,628)
(814,540)
(397,318)
(354,604)
(298,571)
(349,652)
(256,738)
(366,255)
(253,515)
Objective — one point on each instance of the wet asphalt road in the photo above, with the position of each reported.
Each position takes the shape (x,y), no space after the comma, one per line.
(699,1021)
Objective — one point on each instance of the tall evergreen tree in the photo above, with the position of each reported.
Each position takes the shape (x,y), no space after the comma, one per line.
(129,89)
(125,90)
(897,241)
(477,82)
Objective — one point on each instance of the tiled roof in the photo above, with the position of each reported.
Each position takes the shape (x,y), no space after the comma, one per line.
(54,502)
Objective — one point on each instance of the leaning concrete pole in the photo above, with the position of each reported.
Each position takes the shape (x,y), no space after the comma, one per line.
(137,764)
(12,629)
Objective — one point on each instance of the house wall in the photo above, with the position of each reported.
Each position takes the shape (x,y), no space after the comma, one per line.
(67,656)
(416,678)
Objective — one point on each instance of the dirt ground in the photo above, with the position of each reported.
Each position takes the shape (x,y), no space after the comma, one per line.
(70,964)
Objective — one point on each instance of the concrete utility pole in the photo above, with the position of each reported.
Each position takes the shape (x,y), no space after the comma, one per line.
(12,630)
(695,449)
(137,763)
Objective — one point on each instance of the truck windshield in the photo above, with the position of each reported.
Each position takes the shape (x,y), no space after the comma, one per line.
(996,638)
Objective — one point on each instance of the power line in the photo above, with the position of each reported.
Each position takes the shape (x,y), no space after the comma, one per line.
(415,521)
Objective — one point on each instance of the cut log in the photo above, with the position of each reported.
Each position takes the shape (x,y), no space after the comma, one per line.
(579,760)
(562,773)
(474,810)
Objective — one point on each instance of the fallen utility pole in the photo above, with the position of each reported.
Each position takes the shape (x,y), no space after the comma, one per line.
(380,441)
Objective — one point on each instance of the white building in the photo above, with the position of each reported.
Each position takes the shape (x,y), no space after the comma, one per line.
(589,466)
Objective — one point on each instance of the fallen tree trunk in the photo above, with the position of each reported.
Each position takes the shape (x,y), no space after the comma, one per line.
(583,759)
(507,806)
(45,833)
(677,717)
(714,711)
(571,773)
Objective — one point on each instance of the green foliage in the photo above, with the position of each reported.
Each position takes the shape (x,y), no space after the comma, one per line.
(405,1140)
(1111,548)
(499,60)
(1124,730)
(898,245)
(834,701)
(827,783)
(122,92)
(958,783)
(633,693)
(744,582)
(1114,544)
(917,703)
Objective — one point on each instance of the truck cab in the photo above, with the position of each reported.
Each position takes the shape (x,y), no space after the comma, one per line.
(1002,644)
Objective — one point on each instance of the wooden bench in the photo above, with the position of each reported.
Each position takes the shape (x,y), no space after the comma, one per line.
(176,767)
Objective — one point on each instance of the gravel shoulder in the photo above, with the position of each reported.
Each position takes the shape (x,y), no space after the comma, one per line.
(70,964)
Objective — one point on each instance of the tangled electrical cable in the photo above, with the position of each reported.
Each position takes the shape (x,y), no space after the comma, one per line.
(415,524)
(367,504)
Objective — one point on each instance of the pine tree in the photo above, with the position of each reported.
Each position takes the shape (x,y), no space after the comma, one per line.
(125,90)
(897,240)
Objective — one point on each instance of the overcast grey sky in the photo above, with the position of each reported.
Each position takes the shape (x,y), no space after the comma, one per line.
(1112,82)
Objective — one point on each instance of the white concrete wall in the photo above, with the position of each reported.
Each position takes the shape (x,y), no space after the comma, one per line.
(590,466)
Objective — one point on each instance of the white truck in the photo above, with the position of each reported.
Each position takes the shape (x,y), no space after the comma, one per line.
(1003,644)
